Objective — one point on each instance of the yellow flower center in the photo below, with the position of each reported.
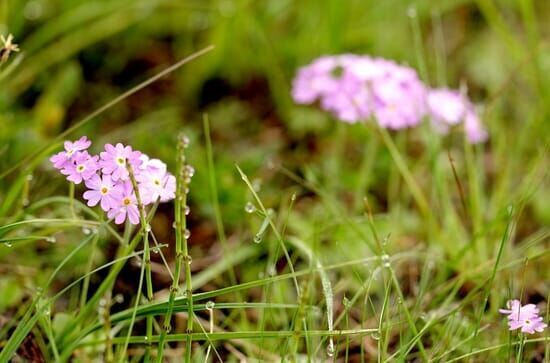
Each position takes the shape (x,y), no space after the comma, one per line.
(126,201)
(104,190)
(121,161)
(80,168)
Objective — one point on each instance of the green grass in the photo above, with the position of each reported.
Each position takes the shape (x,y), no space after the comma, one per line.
(311,240)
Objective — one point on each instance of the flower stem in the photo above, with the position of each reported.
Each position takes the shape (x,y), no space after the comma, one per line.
(146,256)
(182,255)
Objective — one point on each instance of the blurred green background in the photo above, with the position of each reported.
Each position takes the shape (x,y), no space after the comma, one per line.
(78,55)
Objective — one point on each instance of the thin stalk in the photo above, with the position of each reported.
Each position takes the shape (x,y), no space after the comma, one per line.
(278,235)
(519,356)
(180,207)
(86,282)
(46,323)
(146,256)
(416,192)
(133,319)
(71,200)
(127,249)
(408,316)
(493,274)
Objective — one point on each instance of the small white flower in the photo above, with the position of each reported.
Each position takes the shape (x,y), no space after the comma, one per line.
(7,47)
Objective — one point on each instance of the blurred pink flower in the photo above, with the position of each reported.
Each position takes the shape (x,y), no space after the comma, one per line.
(355,88)
(524,317)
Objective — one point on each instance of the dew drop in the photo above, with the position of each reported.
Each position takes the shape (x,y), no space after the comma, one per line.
(330,348)
(293,197)
(186,210)
(271,270)
(51,239)
(119,298)
(411,12)
(145,338)
(257,185)
(174,225)
(147,228)
(184,141)
(385,260)
(210,305)
(186,234)
(190,171)
(249,208)
(86,230)
(258,238)
(7,244)
(375,336)
(188,259)
(25,202)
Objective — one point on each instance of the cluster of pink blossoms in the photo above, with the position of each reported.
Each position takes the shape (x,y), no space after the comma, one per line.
(355,88)
(525,317)
(107,178)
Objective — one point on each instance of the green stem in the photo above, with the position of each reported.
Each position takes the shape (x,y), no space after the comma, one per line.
(127,249)
(182,253)
(71,200)
(146,256)
(405,173)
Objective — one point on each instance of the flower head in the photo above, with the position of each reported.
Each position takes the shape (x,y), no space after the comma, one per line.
(125,205)
(102,190)
(114,158)
(158,185)
(108,180)
(524,317)
(357,87)
(63,158)
(82,167)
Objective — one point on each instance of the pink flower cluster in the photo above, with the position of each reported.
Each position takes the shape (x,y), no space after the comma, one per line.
(355,88)
(108,181)
(525,317)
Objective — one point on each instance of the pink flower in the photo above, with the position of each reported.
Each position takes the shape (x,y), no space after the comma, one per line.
(60,160)
(355,88)
(314,80)
(398,104)
(446,107)
(125,205)
(81,167)
(114,158)
(102,189)
(157,186)
(524,317)
(151,165)
(475,133)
